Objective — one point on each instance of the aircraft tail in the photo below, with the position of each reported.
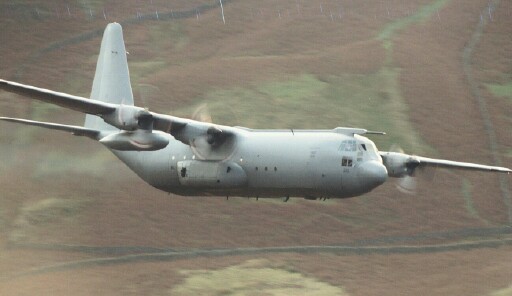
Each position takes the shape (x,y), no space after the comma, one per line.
(112,78)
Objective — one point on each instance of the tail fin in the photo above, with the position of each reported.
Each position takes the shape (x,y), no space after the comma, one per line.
(112,78)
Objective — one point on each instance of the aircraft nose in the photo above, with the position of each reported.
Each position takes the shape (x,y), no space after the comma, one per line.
(372,173)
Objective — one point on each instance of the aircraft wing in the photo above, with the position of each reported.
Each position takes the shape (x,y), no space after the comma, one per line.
(75,130)
(209,141)
(165,123)
(411,162)
(425,161)
(76,103)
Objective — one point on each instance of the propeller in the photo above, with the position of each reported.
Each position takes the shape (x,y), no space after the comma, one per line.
(202,113)
(407,185)
(214,144)
(403,166)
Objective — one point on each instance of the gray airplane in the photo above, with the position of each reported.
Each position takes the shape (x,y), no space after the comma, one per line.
(189,157)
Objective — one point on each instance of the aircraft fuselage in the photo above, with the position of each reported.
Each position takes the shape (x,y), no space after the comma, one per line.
(263,163)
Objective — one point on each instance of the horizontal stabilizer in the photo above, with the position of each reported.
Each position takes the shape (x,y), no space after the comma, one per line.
(76,130)
(61,99)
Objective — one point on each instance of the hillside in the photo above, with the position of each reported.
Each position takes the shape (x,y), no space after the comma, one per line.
(434,74)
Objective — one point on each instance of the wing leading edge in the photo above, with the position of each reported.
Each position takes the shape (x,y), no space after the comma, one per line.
(410,162)
(425,161)
(76,103)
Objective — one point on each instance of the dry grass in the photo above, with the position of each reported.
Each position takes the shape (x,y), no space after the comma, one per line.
(503,292)
(179,64)
(40,214)
(253,277)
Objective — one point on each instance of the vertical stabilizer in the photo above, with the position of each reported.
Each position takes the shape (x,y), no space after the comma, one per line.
(112,79)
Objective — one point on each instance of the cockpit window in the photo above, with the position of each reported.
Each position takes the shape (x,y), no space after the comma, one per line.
(363,146)
(348,145)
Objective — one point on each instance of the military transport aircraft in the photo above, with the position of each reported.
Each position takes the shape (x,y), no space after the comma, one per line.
(189,157)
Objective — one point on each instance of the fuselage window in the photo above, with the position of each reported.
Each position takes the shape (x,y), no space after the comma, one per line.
(346,162)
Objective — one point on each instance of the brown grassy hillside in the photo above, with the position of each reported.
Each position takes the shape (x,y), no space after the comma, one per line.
(398,66)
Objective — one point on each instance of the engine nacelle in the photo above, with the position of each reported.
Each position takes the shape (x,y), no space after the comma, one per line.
(128,118)
(138,140)
(399,164)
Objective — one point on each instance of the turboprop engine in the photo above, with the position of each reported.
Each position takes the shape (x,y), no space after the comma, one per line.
(136,133)
(130,118)
(399,164)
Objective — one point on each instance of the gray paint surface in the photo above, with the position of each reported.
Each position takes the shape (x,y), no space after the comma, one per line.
(273,164)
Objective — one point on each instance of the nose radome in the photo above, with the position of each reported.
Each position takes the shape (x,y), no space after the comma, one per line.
(372,173)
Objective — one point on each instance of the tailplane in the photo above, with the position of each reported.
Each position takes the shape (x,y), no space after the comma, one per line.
(75,130)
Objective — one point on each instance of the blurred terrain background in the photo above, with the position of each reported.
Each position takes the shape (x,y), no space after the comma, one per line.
(436,75)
